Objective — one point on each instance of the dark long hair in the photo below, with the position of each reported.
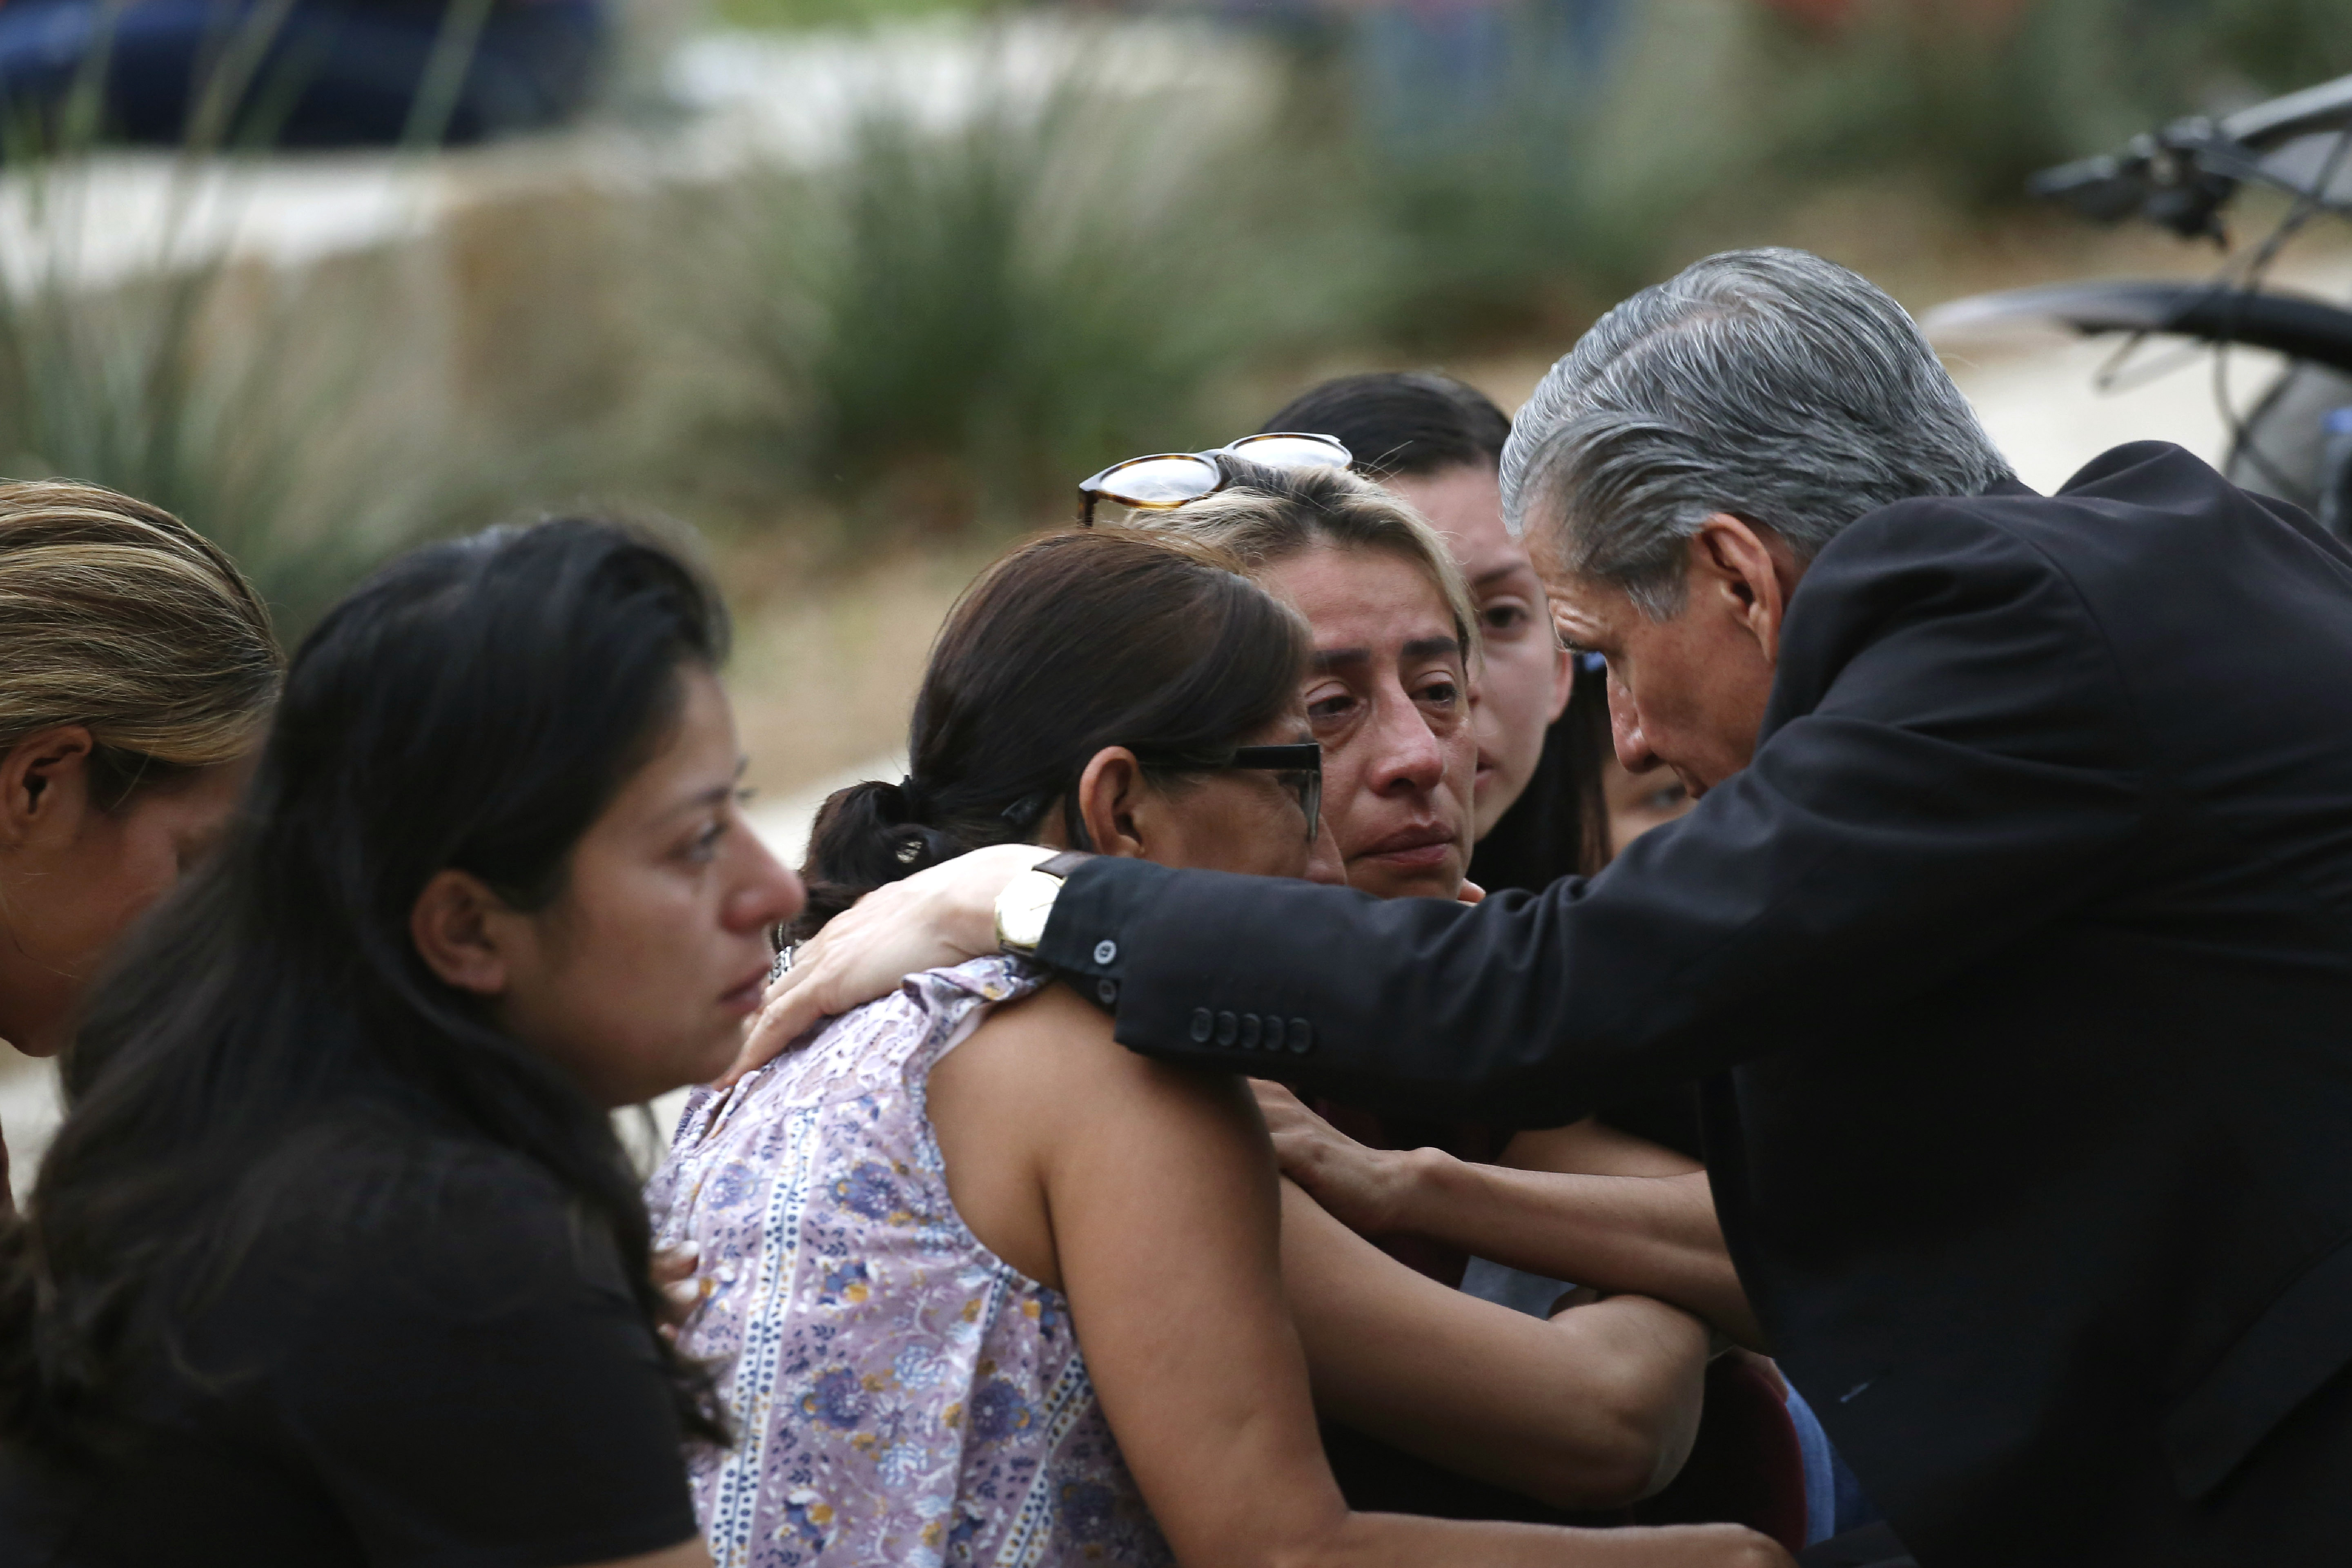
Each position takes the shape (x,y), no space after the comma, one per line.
(1073,642)
(1401,422)
(475,706)
(1559,825)
(1413,423)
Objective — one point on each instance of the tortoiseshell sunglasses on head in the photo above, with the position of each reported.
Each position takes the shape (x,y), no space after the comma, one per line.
(1168,479)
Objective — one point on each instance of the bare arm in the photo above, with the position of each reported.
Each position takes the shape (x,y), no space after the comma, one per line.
(1594,1408)
(1160,1222)
(1654,1235)
(1651,1233)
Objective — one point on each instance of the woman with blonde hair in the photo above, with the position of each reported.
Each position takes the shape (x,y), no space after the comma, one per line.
(140,669)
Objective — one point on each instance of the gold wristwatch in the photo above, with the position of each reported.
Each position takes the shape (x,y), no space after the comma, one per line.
(1027,902)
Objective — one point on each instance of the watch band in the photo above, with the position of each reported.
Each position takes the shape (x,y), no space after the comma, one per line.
(1027,902)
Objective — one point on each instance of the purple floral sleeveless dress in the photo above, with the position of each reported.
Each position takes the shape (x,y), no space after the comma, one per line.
(901,1394)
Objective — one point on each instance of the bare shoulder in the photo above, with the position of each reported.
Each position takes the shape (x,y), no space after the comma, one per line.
(1056,1049)
(1041,1115)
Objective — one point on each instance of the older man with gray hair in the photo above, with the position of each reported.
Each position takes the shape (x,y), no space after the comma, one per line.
(2012,936)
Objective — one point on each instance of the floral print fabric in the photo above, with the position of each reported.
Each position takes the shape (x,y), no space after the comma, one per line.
(901,1394)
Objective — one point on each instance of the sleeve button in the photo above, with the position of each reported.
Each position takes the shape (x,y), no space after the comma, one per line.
(1201,1024)
(1227,1027)
(1104,951)
(1302,1038)
(1107,991)
(1250,1029)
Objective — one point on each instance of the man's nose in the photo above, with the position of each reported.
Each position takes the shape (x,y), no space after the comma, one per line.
(1633,754)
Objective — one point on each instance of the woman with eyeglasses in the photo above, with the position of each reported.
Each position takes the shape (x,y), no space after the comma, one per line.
(980,1284)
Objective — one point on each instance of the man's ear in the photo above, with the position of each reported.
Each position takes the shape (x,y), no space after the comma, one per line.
(1563,669)
(454,927)
(1754,568)
(45,785)
(1109,791)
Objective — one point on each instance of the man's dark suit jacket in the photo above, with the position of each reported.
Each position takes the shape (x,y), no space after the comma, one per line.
(2021,957)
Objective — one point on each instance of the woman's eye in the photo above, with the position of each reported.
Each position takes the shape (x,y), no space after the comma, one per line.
(1328,709)
(706,842)
(1504,617)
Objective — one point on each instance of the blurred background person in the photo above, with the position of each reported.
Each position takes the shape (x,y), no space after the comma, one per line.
(139,675)
(336,1259)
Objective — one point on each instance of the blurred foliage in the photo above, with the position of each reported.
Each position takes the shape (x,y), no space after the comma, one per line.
(952,322)
(1515,168)
(1973,99)
(945,316)
(211,392)
(1519,169)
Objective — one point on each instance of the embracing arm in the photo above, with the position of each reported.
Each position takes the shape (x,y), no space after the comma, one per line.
(1647,1226)
(1950,762)
(1164,1234)
(1654,1235)
(1594,1408)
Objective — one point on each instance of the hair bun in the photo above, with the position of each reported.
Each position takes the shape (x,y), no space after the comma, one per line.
(866,836)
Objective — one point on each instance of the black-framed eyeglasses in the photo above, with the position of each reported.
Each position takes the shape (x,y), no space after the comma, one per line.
(1298,768)
(1166,481)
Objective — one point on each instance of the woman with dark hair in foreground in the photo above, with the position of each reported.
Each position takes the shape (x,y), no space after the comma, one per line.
(983,1286)
(336,1259)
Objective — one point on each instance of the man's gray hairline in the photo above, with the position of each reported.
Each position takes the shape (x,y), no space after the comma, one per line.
(1688,316)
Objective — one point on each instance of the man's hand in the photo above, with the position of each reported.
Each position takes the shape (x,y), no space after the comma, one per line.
(1362,1188)
(934,918)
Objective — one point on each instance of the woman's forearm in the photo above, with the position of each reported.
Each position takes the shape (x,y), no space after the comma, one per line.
(1592,1409)
(1655,1235)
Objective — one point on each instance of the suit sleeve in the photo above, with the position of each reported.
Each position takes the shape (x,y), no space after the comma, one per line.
(1950,763)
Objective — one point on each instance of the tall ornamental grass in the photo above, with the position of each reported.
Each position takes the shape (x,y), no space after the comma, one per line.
(959,315)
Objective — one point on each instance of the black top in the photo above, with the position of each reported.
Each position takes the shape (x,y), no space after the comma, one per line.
(447,1369)
(2021,957)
